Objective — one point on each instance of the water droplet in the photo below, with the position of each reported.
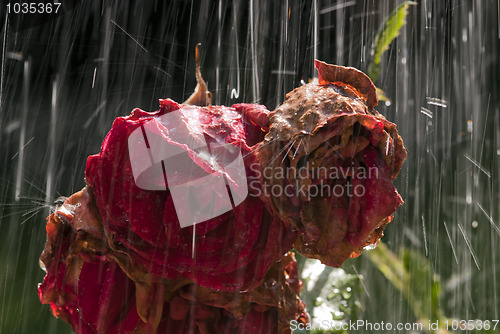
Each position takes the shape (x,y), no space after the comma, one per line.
(42,266)
(470,126)
(370,247)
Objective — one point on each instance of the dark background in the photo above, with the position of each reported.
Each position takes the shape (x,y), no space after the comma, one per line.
(65,77)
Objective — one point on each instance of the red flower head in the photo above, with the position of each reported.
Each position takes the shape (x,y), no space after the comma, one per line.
(140,189)
(328,164)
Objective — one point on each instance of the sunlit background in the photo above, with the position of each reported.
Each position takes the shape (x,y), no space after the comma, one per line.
(66,76)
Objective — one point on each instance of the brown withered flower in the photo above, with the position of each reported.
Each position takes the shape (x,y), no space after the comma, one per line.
(328,164)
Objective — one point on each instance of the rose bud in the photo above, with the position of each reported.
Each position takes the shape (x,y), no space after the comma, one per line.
(328,164)
(174,189)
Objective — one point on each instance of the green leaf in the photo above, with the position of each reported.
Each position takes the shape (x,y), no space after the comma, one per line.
(412,274)
(425,285)
(388,32)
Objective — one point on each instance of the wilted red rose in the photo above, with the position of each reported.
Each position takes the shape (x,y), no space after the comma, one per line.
(230,252)
(328,164)
(96,290)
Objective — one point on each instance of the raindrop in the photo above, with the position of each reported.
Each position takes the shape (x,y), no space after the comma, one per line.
(469,126)
(370,247)
(42,266)
(437,102)
(426,112)
(93,79)
(468,198)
